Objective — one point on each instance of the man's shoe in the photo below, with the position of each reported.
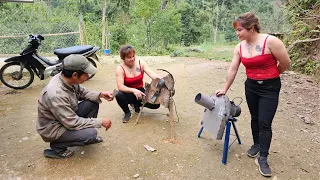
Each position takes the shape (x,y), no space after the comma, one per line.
(264,168)
(254,151)
(49,153)
(126,117)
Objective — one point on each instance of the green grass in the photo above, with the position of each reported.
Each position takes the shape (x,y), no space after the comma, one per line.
(222,52)
(208,51)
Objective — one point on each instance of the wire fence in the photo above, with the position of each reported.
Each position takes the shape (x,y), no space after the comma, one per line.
(15,44)
(65,36)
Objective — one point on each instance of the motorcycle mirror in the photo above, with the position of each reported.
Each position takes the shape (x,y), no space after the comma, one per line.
(40,37)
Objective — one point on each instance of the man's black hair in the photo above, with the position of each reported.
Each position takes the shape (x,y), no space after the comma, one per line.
(68,73)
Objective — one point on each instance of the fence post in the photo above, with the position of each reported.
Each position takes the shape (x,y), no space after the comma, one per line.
(82,30)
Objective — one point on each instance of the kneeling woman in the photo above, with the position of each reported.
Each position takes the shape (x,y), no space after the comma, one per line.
(130,82)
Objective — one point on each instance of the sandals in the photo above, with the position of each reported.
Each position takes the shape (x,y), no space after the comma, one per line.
(49,153)
(97,140)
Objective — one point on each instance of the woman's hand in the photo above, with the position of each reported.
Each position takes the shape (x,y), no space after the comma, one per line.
(220,92)
(138,94)
(157,76)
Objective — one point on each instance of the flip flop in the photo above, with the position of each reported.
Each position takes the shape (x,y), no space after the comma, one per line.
(49,153)
(98,140)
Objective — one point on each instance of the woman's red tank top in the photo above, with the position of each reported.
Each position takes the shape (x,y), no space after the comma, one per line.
(260,67)
(135,82)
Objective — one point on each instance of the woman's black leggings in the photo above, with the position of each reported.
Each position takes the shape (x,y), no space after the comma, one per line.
(124,99)
(262,99)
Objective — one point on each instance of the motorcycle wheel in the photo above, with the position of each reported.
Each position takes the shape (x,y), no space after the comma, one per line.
(9,76)
(94,64)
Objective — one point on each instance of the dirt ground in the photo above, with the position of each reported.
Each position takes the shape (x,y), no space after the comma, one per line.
(294,153)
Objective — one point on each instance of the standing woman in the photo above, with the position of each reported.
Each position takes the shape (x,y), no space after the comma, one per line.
(265,58)
(129,76)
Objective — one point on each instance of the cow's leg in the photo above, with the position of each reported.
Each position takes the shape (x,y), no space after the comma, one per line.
(141,108)
(172,138)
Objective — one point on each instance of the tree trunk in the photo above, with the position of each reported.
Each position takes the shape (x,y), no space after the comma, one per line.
(148,34)
(215,29)
(103,40)
(165,43)
(164,4)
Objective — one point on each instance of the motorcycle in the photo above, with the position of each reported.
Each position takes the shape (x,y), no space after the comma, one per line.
(18,72)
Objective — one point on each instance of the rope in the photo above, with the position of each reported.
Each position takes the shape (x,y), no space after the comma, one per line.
(238,98)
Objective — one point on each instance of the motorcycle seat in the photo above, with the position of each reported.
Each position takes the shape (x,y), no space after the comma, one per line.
(63,52)
(51,61)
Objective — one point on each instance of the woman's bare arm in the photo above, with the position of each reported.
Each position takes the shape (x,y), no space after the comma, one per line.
(120,81)
(232,71)
(124,88)
(148,71)
(279,51)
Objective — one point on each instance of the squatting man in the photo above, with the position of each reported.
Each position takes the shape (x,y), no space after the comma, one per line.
(67,111)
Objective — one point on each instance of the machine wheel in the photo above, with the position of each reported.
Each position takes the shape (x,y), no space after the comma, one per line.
(10,76)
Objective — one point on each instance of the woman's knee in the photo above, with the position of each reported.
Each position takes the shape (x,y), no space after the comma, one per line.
(265,124)
(120,95)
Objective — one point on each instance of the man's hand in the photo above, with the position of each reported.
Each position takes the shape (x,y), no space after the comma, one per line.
(106,123)
(107,96)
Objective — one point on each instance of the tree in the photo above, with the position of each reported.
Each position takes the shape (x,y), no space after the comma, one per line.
(167,27)
(147,10)
(104,24)
(303,39)
(194,24)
